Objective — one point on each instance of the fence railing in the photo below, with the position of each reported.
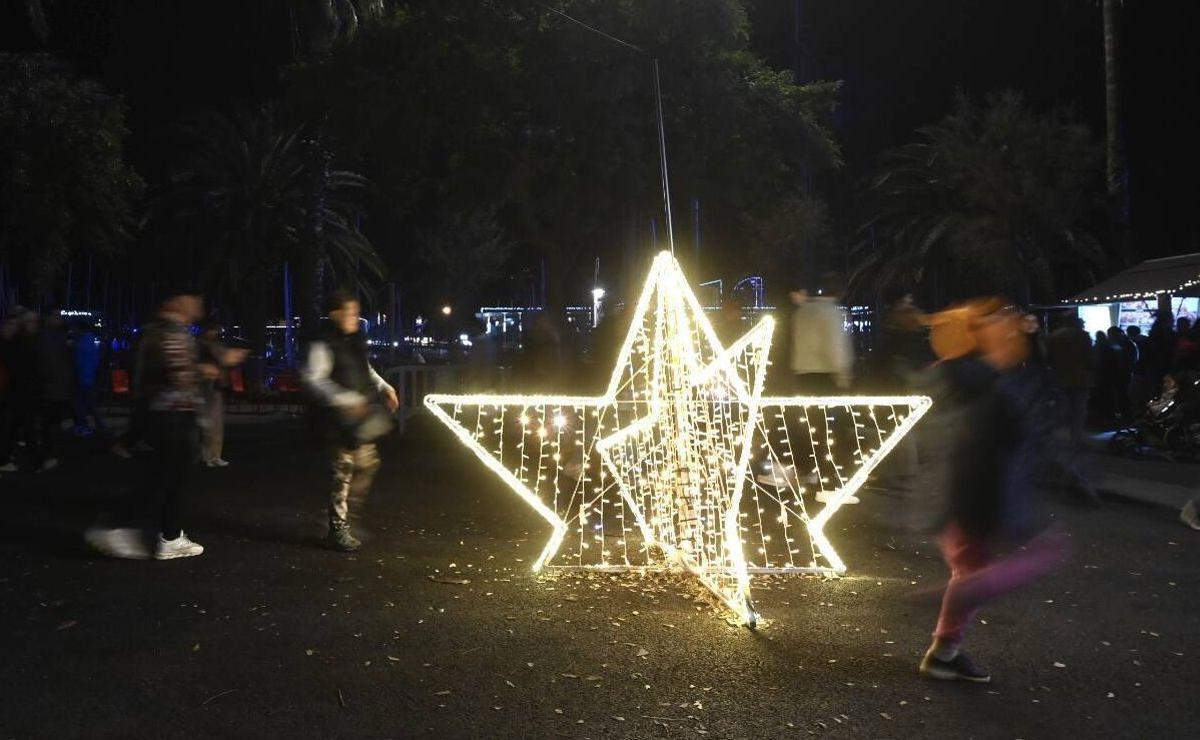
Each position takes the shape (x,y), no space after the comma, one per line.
(414,382)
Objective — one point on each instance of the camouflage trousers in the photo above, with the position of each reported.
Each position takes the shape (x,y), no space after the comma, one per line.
(352,472)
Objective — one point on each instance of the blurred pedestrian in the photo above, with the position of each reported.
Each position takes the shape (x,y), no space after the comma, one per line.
(988,485)
(339,376)
(1141,389)
(1186,352)
(8,335)
(822,353)
(822,362)
(1074,365)
(729,324)
(1160,346)
(215,360)
(56,377)
(1120,379)
(25,390)
(134,439)
(905,356)
(1190,514)
(87,351)
(169,374)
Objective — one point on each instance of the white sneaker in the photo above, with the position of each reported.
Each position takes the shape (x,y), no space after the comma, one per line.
(219,463)
(824,497)
(9,468)
(180,547)
(49,463)
(126,543)
(1189,515)
(777,478)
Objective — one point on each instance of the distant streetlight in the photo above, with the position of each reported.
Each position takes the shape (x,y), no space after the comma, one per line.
(446,310)
(597,296)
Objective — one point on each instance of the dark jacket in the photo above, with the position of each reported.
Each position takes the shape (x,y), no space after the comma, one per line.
(1072,359)
(338,377)
(988,482)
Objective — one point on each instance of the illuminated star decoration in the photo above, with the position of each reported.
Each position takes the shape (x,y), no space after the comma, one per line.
(682,461)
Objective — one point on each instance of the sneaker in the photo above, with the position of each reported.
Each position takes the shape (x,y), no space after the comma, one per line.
(824,497)
(180,547)
(9,467)
(126,543)
(121,451)
(49,464)
(958,668)
(341,539)
(777,478)
(1189,515)
(217,462)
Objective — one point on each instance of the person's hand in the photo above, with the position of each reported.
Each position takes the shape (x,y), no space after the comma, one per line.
(393,401)
(209,371)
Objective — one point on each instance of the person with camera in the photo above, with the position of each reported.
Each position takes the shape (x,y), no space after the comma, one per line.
(357,406)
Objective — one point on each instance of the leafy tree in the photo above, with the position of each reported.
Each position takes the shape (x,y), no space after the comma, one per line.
(789,238)
(460,251)
(990,199)
(64,188)
(462,102)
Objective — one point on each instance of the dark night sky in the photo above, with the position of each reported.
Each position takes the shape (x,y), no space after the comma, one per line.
(901,62)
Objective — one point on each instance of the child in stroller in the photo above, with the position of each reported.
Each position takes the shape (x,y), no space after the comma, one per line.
(1169,424)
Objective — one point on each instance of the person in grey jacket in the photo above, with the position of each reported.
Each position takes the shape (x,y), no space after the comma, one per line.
(338,374)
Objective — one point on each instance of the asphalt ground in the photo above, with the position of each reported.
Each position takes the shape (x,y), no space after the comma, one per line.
(438,629)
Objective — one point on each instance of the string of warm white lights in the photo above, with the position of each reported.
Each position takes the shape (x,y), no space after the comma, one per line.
(682,461)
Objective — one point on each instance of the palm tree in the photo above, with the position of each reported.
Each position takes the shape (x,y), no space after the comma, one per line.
(261,195)
(1116,176)
(989,197)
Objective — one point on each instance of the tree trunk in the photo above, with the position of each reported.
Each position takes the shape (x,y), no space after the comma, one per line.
(1116,173)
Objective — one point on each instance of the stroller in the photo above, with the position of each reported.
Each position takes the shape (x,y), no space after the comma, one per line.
(1168,426)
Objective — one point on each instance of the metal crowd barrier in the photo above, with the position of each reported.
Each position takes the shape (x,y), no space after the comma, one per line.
(414,382)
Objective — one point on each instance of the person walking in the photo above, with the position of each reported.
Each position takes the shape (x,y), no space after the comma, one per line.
(822,361)
(24,392)
(56,378)
(213,354)
(1074,365)
(988,487)
(822,355)
(8,333)
(87,352)
(169,374)
(338,374)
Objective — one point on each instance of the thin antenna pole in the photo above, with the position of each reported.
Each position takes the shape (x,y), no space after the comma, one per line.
(662,129)
(662,154)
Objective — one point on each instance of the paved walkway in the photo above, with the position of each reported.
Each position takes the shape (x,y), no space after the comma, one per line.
(437,628)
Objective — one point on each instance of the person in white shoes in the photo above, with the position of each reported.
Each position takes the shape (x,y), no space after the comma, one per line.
(170,374)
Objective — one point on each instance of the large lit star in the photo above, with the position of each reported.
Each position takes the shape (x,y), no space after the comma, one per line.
(682,460)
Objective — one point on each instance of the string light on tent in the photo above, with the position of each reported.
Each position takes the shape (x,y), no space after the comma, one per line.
(682,462)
